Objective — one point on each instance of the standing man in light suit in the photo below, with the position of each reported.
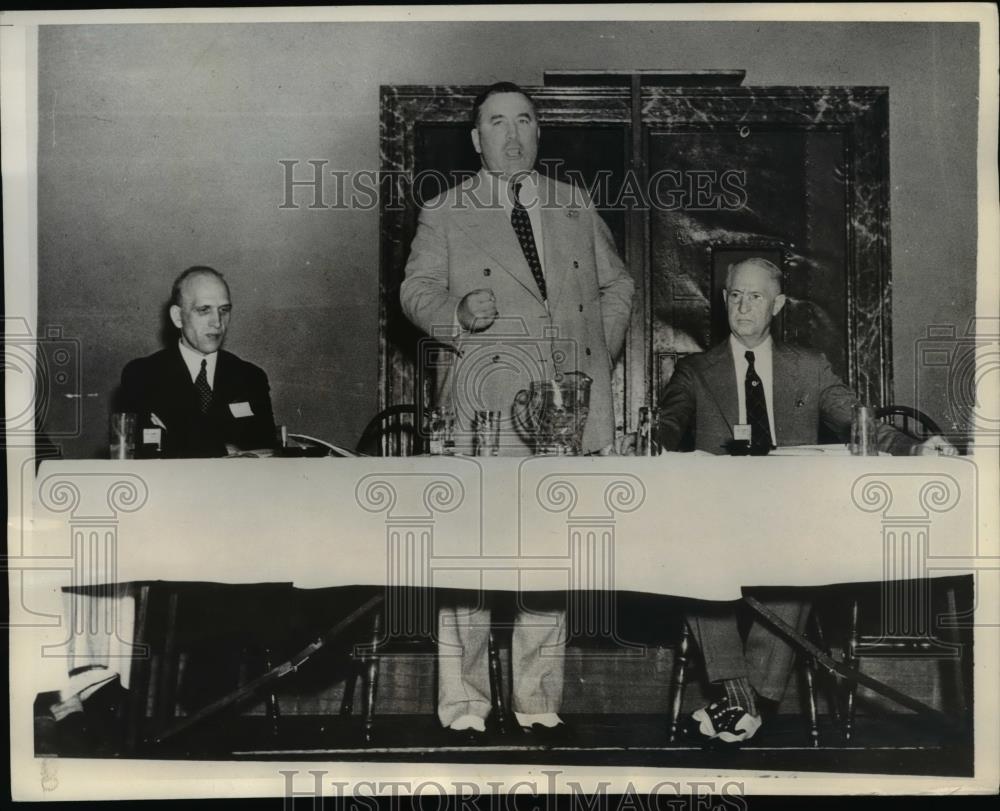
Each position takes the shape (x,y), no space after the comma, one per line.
(781,393)
(519,274)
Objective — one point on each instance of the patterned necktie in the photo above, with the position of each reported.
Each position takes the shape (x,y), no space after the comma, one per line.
(522,227)
(202,387)
(760,429)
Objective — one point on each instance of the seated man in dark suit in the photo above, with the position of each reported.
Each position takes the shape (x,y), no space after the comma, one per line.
(203,400)
(778,395)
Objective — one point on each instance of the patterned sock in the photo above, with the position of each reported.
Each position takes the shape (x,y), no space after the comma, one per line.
(739,692)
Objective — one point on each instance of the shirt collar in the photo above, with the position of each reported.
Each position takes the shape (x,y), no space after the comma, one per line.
(193,359)
(763,350)
(500,183)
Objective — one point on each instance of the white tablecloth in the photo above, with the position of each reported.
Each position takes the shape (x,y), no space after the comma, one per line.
(684,525)
(677,524)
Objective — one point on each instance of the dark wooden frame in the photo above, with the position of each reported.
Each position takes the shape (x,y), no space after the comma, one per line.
(861,113)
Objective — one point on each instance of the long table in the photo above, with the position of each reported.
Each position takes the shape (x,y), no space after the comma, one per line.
(684,525)
(703,527)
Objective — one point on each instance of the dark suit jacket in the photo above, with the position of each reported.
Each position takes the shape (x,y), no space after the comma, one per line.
(161,384)
(701,397)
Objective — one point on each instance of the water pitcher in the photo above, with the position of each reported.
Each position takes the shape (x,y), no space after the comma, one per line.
(553,413)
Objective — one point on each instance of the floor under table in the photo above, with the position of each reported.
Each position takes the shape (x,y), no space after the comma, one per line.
(886,745)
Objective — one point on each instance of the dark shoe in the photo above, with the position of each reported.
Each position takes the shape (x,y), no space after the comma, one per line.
(559,735)
(45,724)
(463,737)
(88,728)
(469,736)
(723,723)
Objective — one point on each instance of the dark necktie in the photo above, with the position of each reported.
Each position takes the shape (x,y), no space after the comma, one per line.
(760,429)
(522,227)
(204,390)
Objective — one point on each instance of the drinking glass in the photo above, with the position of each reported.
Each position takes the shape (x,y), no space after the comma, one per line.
(864,441)
(441,431)
(123,425)
(487,433)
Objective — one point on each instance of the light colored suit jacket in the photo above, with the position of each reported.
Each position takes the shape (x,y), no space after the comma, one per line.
(702,397)
(465,242)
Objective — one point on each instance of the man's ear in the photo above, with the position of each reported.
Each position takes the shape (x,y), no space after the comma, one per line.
(475,141)
(779,302)
(725,296)
(175,315)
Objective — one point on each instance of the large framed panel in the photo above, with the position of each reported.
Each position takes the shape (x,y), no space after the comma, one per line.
(796,173)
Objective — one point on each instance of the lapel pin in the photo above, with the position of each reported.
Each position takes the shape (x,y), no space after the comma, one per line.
(572,213)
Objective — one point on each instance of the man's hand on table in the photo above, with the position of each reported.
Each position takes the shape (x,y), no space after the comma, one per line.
(626,446)
(621,446)
(935,446)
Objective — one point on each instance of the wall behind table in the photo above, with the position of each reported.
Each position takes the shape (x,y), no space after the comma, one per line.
(159,147)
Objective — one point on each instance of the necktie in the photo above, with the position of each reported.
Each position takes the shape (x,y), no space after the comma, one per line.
(522,227)
(204,390)
(760,429)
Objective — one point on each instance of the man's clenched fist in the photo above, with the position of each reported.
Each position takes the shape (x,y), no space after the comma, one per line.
(477,310)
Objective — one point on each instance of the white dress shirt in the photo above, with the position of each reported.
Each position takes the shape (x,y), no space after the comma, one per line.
(193,361)
(763,365)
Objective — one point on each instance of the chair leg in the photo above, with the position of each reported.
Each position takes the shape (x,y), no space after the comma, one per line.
(832,697)
(350,684)
(496,686)
(271,700)
(809,673)
(680,674)
(166,699)
(850,659)
(371,677)
(958,662)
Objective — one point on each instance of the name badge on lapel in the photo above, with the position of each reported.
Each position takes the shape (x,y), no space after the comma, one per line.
(241,410)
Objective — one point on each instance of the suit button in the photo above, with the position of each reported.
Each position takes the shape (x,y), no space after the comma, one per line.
(581,308)
(496,358)
(486,271)
(587,351)
(576,264)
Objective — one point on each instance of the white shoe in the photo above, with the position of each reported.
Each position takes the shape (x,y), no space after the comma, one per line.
(545,719)
(464,722)
(725,722)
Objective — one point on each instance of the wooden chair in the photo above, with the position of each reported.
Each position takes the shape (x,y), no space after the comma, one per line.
(918,640)
(908,420)
(395,432)
(248,620)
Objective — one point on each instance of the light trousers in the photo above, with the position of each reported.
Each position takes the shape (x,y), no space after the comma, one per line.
(537,660)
